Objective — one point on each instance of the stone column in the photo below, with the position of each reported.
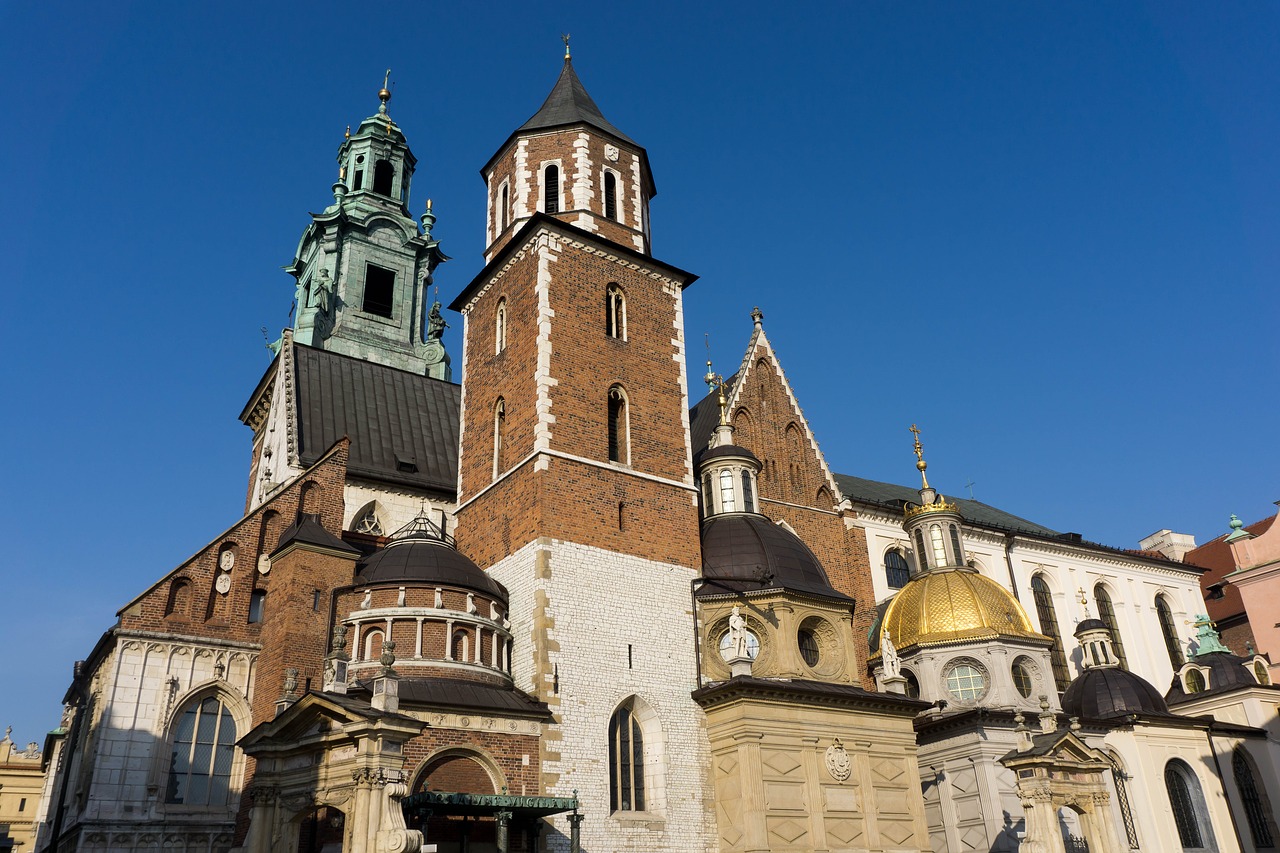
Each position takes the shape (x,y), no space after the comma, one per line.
(261,819)
(504,821)
(575,832)
(448,640)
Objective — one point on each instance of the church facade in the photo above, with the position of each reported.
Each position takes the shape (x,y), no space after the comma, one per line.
(569,604)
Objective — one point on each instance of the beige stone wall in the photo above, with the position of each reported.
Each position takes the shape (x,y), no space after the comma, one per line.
(775,791)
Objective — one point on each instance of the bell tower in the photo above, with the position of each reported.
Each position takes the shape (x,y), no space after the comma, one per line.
(575,484)
(363,266)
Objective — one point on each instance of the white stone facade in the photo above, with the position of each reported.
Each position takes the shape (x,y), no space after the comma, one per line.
(594,629)
(119,771)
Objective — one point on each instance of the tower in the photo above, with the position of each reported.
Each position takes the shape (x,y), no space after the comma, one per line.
(363,267)
(575,485)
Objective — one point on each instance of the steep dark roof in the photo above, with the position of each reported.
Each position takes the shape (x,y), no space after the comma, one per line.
(403,426)
(751,552)
(705,415)
(1226,673)
(893,496)
(569,103)
(307,530)
(1103,692)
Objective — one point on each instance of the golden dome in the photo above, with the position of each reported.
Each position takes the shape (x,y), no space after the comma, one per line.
(954,605)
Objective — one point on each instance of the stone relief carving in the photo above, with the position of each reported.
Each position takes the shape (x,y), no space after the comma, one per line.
(839,765)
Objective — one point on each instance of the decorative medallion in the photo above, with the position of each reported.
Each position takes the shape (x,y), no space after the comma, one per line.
(611,153)
(264,564)
(839,765)
(223,584)
(227,560)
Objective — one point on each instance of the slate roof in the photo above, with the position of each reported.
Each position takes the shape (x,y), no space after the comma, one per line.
(1103,692)
(569,103)
(457,693)
(892,496)
(307,530)
(750,552)
(404,427)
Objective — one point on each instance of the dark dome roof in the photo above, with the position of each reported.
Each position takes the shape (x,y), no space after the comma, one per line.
(1226,672)
(1091,625)
(1104,692)
(755,553)
(732,451)
(429,562)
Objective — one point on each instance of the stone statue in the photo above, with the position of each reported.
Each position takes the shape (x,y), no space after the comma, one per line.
(435,323)
(367,602)
(889,656)
(320,290)
(737,635)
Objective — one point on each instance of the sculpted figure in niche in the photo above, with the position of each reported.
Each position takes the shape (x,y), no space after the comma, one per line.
(368,600)
(889,656)
(320,290)
(435,323)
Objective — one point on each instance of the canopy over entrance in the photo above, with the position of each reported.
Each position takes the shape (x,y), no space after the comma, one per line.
(503,808)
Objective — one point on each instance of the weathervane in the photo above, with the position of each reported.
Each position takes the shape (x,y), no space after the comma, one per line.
(564,37)
(919,450)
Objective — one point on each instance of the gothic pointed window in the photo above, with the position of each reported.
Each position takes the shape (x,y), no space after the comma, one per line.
(615,312)
(610,196)
(1164,614)
(1257,807)
(368,522)
(619,451)
(202,754)
(1107,613)
(626,762)
(1049,627)
(551,189)
(500,327)
(499,436)
(384,175)
(896,570)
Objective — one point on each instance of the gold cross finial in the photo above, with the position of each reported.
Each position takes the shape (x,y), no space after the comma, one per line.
(1084,600)
(921,465)
(565,38)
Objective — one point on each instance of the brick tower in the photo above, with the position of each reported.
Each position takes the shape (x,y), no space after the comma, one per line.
(575,484)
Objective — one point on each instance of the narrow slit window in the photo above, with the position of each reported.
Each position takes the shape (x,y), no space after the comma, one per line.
(502,209)
(615,307)
(499,436)
(618,445)
(1049,627)
(500,327)
(610,196)
(551,189)
(1171,643)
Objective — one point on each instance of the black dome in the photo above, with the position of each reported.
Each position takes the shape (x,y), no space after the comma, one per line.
(1091,625)
(731,451)
(1226,672)
(1104,692)
(755,553)
(429,562)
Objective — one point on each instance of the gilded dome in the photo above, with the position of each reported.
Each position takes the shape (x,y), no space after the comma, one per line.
(954,605)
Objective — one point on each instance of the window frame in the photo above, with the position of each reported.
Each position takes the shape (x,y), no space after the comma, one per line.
(615,312)
(549,186)
(1047,616)
(893,573)
(618,425)
(229,709)
(626,765)
(1169,630)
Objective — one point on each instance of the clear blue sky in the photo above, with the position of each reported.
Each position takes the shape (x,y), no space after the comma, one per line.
(1047,233)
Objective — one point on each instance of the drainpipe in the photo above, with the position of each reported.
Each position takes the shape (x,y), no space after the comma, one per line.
(1222,780)
(697,637)
(1008,561)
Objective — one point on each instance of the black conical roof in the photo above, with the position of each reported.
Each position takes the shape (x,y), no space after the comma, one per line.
(568,104)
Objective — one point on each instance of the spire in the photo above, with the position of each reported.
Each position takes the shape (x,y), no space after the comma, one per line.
(569,103)
(1207,639)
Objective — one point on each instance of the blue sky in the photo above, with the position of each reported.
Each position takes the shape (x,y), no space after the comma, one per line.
(1044,232)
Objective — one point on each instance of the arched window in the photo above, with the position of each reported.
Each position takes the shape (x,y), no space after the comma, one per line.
(499,436)
(203,754)
(551,189)
(708,507)
(626,762)
(460,646)
(1171,643)
(500,327)
(939,555)
(257,601)
(615,312)
(748,497)
(179,598)
(896,569)
(1195,681)
(920,554)
(619,446)
(372,645)
(368,522)
(610,196)
(913,684)
(955,545)
(1189,811)
(1049,627)
(1107,613)
(384,174)
(1257,808)
(727,503)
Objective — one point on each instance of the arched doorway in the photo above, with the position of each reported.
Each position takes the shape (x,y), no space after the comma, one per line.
(462,771)
(321,830)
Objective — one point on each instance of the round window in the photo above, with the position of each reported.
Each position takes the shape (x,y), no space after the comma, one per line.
(966,682)
(808,646)
(752,642)
(1022,679)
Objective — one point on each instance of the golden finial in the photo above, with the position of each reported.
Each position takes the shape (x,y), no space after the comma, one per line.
(715,382)
(384,94)
(920,463)
(347,135)
(565,38)
(428,204)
